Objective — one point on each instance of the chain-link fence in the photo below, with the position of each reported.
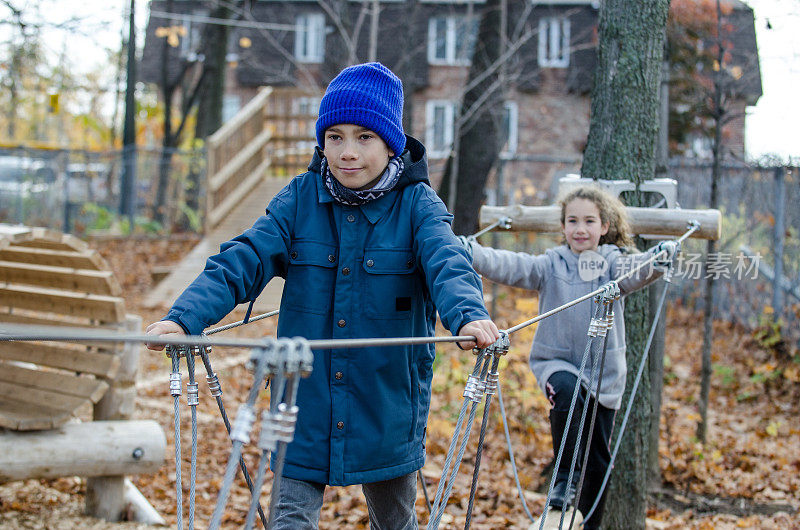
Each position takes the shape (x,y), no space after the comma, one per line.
(78,191)
(760,237)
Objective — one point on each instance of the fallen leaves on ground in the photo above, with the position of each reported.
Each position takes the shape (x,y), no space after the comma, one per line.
(752,453)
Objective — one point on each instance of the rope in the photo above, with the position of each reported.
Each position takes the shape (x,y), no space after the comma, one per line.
(191,396)
(226,327)
(595,407)
(216,391)
(479,362)
(279,382)
(503,222)
(563,443)
(511,453)
(492,378)
(635,387)
(240,436)
(281,457)
(424,491)
(175,390)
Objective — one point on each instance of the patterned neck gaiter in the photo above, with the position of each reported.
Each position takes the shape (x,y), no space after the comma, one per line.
(345,195)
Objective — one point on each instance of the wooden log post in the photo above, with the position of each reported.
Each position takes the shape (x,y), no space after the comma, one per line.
(90,449)
(650,221)
(105,495)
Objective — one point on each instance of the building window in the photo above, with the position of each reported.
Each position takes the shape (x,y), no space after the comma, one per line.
(554,42)
(439,120)
(508,128)
(451,39)
(190,35)
(309,38)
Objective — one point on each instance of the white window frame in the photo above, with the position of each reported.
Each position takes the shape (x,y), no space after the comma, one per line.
(512,109)
(554,35)
(454,26)
(448,108)
(309,38)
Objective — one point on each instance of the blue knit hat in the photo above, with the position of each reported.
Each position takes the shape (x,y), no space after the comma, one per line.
(369,95)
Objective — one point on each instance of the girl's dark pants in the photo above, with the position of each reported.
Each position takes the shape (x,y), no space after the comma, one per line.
(560,388)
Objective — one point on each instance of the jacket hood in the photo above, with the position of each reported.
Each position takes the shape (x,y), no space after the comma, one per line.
(415,162)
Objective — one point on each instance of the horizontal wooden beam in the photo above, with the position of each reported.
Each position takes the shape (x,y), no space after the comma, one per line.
(82,280)
(650,221)
(99,307)
(54,258)
(92,449)
(68,357)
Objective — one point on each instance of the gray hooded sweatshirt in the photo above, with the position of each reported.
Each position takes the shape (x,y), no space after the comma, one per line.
(560,339)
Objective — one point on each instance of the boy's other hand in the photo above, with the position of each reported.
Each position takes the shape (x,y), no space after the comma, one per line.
(483,330)
(163,327)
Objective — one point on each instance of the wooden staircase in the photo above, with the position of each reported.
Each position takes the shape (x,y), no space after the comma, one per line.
(250,159)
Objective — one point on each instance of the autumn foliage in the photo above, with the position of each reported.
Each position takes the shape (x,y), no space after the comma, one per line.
(746,476)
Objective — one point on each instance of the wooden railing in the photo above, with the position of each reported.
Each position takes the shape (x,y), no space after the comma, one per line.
(273,133)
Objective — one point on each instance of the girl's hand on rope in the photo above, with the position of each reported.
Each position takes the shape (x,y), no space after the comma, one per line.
(668,249)
(163,327)
(483,330)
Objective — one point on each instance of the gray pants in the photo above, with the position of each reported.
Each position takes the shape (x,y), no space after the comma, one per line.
(390,504)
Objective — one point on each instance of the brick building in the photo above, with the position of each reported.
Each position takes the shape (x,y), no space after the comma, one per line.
(428,43)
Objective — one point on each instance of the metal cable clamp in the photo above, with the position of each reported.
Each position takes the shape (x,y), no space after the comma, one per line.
(492,379)
(243,424)
(175,383)
(474,389)
(278,426)
(192,394)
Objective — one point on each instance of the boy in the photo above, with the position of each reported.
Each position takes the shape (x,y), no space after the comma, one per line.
(366,249)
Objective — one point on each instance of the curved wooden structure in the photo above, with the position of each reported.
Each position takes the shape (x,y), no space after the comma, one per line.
(47,277)
(51,278)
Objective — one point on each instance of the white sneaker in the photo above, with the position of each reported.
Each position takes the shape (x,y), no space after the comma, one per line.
(553,519)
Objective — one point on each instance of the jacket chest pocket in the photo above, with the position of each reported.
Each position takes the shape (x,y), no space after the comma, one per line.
(391,285)
(310,277)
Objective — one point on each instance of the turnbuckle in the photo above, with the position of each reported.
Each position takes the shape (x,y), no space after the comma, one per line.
(243,424)
(277,426)
(474,389)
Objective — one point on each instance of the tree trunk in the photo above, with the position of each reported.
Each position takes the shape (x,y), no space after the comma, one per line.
(479,118)
(622,142)
(215,50)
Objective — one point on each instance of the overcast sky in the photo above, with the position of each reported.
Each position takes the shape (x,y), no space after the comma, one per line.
(771,125)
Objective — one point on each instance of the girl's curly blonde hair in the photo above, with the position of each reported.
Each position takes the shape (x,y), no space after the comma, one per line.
(612,212)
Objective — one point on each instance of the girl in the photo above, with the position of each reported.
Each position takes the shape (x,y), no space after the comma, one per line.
(596,232)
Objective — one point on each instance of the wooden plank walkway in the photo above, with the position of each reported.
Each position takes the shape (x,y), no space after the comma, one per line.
(240,219)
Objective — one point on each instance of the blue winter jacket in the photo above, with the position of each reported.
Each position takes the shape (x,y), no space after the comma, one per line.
(381,269)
